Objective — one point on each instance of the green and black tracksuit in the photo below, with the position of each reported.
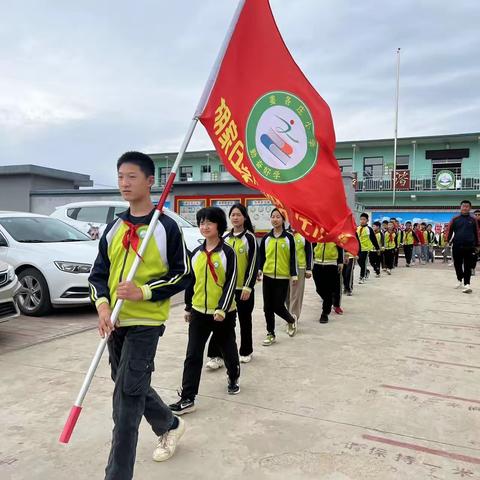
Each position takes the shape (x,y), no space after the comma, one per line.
(326,259)
(163,272)
(212,292)
(278,262)
(368,243)
(408,239)
(245,246)
(391,244)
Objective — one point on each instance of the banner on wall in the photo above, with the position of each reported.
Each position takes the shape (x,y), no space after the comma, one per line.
(436,218)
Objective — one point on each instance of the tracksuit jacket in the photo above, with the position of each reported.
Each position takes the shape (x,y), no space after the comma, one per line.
(277,256)
(164,269)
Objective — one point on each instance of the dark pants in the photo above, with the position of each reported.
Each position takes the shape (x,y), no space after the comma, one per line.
(395,256)
(326,279)
(275,293)
(244,310)
(464,261)
(200,327)
(408,250)
(337,292)
(362,262)
(389,258)
(347,274)
(374,258)
(131,355)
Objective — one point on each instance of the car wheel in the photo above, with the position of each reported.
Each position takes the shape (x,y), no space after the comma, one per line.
(34,297)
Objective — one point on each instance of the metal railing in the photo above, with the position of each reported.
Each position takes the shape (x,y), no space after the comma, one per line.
(418,183)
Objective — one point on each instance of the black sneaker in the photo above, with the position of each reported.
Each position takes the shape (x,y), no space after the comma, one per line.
(324,318)
(184,405)
(233,387)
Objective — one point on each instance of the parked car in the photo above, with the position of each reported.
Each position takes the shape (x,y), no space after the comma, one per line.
(9,286)
(91,218)
(51,259)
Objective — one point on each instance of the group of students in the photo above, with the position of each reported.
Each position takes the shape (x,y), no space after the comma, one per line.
(219,279)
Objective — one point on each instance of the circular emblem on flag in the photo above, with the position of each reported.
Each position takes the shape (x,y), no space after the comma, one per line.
(280,137)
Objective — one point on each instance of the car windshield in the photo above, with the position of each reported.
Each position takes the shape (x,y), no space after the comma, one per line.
(181,222)
(41,230)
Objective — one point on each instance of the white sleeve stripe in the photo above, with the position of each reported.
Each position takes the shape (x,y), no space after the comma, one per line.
(254,262)
(233,284)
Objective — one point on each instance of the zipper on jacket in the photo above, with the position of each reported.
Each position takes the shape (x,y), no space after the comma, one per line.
(206,279)
(124,263)
(275,267)
(323,254)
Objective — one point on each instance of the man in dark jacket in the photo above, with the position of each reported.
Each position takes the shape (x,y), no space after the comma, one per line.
(463,232)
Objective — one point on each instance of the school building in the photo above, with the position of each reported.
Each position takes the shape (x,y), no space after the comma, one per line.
(433,174)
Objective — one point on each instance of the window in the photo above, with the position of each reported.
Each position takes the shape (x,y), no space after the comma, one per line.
(93,214)
(373,167)
(206,168)
(163,173)
(402,162)
(72,212)
(345,164)
(186,174)
(221,168)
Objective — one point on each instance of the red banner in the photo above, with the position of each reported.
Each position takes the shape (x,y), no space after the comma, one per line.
(402,180)
(275,133)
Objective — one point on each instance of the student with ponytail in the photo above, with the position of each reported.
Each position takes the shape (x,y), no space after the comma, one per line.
(278,265)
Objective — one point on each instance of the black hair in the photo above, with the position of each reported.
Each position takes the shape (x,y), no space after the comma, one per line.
(364,215)
(415,225)
(476,211)
(281,214)
(424,224)
(248,222)
(378,224)
(468,202)
(143,161)
(214,215)
(393,219)
(408,222)
(429,225)
(384,221)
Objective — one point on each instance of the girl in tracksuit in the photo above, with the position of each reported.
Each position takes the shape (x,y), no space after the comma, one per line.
(304,263)
(277,264)
(242,239)
(391,243)
(327,270)
(210,307)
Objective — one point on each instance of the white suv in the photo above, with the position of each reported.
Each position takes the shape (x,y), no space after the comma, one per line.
(91,217)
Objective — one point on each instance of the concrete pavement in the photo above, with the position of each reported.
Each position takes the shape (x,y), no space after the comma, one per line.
(389,391)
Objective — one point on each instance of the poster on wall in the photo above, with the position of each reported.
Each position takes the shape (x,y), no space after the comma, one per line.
(188,208)
(439,220)
(224,204)
(259,211)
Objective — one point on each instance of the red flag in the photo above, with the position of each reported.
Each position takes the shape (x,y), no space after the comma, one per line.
(275,133)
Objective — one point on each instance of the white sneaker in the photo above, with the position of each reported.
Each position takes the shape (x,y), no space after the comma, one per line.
(361,281)
(292,327)
(214,363)
(245,358)
(459,285)
(467,289)
(167,443)
(389,272)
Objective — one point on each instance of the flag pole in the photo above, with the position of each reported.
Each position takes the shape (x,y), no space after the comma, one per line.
(396,128)
(77,407)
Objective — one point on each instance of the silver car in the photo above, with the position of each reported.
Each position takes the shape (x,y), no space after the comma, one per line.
(9,287)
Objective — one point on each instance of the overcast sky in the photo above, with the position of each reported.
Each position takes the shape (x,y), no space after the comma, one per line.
(81,82)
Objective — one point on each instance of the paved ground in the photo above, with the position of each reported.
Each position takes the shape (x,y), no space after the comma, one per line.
(389,391)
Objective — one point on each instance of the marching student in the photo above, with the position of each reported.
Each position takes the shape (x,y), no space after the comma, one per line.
(431,242)
(304,263)
(278,266)
(375,256)
(382,256)
(425,248)
(347,273)
(327,269)
(418,242)
(443,243)
(210,307)
(242,239)
(390,245)
(408,239)
(398,230)
(132,343)
(368,243)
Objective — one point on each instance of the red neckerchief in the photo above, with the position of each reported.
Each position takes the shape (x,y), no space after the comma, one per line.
(211,266)
(390,234)
(130,237)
